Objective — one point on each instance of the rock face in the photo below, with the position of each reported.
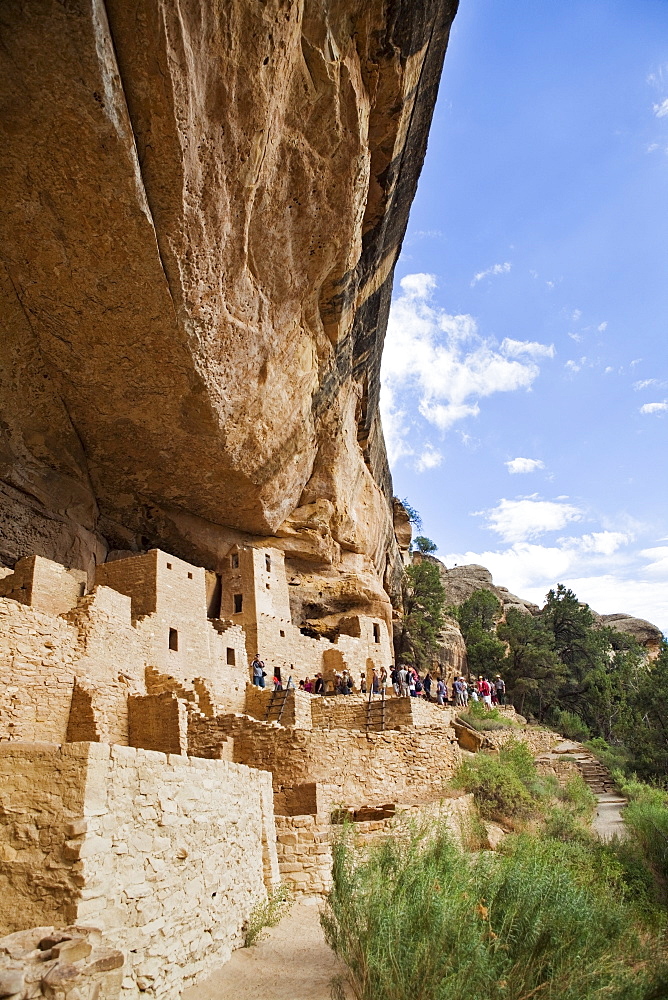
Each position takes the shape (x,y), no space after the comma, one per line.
(459,582)
(642,631)
(204,204)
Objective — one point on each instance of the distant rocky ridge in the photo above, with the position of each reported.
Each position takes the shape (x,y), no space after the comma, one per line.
(459,582)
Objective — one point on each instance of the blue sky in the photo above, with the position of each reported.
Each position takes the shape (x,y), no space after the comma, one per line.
(525,374)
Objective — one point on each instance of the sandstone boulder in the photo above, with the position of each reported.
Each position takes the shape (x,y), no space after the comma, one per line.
(642,631)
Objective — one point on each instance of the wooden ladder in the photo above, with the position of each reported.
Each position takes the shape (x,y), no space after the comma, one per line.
(277,702)
(375,712)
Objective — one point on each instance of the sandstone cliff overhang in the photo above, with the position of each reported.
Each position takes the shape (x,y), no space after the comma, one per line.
(204,204)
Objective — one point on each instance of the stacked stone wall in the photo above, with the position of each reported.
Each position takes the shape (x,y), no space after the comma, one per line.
(165,854)
(44,584)
(60,963)
(350,712)
(37,654)
(305,852)
(305,842)
(110,659)
(407,765)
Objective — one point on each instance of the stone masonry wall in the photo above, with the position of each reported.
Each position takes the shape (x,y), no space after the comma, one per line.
(297,710)
(407,766)
(166,855)
(305,842)
(350,712)
(60,963)
(41,821)
(37,653)
(44,584)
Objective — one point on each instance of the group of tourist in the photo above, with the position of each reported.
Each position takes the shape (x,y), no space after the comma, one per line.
(406,681)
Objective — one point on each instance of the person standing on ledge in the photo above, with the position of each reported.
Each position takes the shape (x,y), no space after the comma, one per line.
(258,671)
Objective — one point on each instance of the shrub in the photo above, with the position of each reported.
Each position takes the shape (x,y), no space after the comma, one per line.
(414,918)
(648,822)
(579,796)
(504,787)
(497,790)
(267,913)
(611,757)
(562,824)
(484,719)
(570,725)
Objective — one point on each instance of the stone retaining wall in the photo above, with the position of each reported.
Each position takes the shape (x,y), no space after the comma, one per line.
(166,855)
(407,765)
(305,842)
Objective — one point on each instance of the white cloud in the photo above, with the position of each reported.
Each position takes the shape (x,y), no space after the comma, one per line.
(395,427)
(530,348)
(658,557)
(602,327)
(577,314)
(602,542)
(430,458)
(521,520)
(493,270)
(606,371)
(661,110)
(644,384)
(437,364)
(518,465)
(418,286)
(654,407)
(572,366)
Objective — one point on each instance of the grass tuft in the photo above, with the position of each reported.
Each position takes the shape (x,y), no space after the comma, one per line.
(267,913)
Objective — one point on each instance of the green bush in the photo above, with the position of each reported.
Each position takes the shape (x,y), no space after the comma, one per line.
(414,918)
(504,787)
(614,758)
(648,822)
(563,824)
(570,725)
(484,719)
(267,913)
(497,790)
(579,796)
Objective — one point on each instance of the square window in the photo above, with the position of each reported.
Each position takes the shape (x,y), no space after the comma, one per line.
(231,659)
(169,565)
(190,576)
(238,603)
(268,586)
(173,639)
(234,560)
(282,634)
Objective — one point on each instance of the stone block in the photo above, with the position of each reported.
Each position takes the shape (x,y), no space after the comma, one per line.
(11,981)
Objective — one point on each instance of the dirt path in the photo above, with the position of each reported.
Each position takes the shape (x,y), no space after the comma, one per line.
(291,963)
(608,820)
